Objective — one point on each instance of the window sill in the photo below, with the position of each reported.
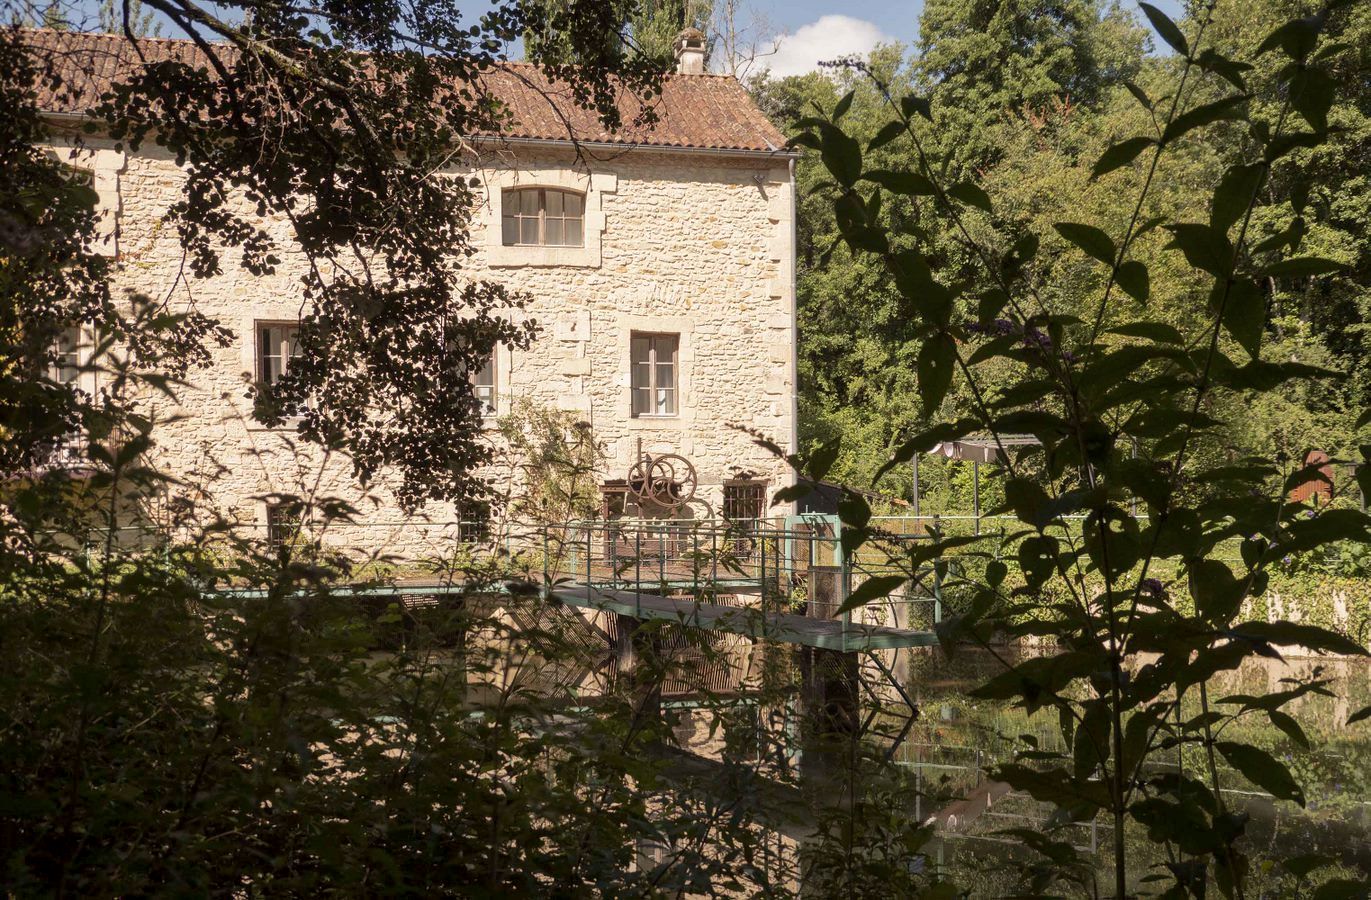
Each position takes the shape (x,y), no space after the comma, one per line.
(667,422)
(534,255)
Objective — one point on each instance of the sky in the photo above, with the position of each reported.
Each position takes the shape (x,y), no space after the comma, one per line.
(802,32)
(810,30)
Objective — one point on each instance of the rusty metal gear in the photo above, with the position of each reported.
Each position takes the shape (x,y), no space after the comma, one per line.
(668,480)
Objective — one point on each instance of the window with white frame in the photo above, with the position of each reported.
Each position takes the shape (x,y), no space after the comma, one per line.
(483,385)
(277,344)
(652,358)
(542,217)
(66,367)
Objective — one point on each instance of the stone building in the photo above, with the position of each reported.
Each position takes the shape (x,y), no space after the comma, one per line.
(660,262)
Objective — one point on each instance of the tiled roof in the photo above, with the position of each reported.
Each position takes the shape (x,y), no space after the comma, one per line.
(693,111)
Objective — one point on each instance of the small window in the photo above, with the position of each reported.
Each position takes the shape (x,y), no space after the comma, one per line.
(283,524)
(473,525)
(653,381)
(744,501)
(66,368)
(543,217)
(277,344)
(483,385)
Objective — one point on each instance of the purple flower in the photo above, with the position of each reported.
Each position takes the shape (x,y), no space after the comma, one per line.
(1035,339)
(1003,326)
(1152,586)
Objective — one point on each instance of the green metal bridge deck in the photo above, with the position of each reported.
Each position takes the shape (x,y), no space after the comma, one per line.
(789,628)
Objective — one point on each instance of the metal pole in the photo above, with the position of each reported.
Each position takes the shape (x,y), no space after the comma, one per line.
(937,595)
(844,571)
(761,578)
(714,557)
(916,487)
(695,563)
(638,569)
(976,492)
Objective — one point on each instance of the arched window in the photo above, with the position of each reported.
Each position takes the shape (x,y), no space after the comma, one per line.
(543,217)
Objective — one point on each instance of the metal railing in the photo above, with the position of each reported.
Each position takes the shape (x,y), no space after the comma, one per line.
(793,565)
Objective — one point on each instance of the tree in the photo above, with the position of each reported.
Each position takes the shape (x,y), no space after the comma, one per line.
(655,24)
(1124,513)
(140,21)
(987,59)
(390,326)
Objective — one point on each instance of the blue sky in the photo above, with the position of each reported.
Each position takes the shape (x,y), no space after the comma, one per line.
(806,31)
(824,29)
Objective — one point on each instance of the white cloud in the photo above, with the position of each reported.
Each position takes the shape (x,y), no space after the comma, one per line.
(828,38)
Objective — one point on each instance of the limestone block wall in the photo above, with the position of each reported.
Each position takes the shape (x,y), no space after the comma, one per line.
(691,243)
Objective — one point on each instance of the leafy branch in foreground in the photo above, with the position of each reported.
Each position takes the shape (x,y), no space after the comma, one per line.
(1125,526)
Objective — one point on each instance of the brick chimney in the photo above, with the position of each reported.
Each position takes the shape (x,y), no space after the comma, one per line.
(690,52)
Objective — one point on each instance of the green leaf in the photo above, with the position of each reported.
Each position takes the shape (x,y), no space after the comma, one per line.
(1302,267)
(1342,889)
(1311,94)
(913,105)
(891,131)
(1166,29)
(843,105)
(1244,313)
(908,184)
(1287,724)
(1328,526)
(1296,37)
(792,492)
(841,155)
(1295,634)
(925,441)
(1139,94)
(1036,681)
(1359,715)
(1229,70)
(1205,248)
(822,459)
(872,589)
(1262,769)
(1120,155)
(1302,865)
(1205,114)
(1054,786)
(1152,331)
(1090,239)
(1235,192)
(1217,593)
(937,358)
(993,302)
(1134,279)
(971,194)
(1037,559)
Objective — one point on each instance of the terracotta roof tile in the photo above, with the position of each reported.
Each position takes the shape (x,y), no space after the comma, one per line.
(694,111)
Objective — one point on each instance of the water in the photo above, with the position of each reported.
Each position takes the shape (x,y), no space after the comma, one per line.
(956,739)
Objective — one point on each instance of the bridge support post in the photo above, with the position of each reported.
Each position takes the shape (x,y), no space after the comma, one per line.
(830,714)
(637,661)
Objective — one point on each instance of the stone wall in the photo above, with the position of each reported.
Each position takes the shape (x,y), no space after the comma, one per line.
(693,243)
